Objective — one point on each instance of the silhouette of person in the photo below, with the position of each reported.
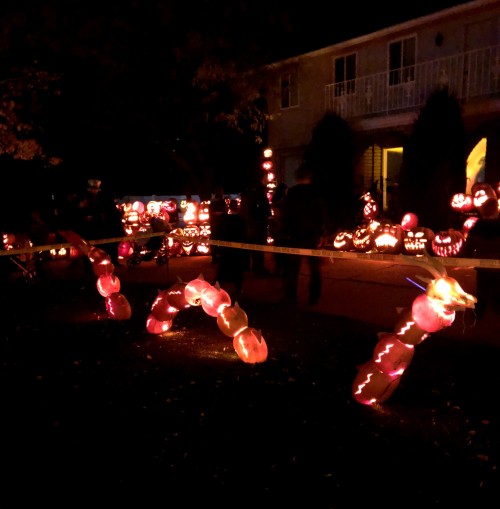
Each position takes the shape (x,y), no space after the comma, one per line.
(304,220)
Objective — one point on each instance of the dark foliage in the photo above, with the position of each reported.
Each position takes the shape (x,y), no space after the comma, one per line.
(330,156)
(434,163)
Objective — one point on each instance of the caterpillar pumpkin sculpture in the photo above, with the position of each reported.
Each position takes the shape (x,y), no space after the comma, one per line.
(431,311)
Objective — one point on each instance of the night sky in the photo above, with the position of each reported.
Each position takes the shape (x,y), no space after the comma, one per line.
(125,108)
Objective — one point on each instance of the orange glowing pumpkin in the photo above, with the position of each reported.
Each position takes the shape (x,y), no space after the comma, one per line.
(391,356)
(194,289)
(250,346)
(409,221)
(118,307)
(372,386)
(429,316)
(107,284)
(214,299)
(154,326)
(176,297)
(418,240)
(462,202)
(161,308)
(448,243)
(231,320)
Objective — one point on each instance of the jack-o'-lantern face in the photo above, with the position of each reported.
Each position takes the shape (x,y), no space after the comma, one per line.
(462,202)
(448,242)
(204,211)
(371,209)
(153,207)
(388,238)
(481,191)
(170,205)
(343,241)
(418,241)
(362,239)
(190,231)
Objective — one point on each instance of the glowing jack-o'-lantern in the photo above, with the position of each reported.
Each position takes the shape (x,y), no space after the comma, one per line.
(418,240)
(107,284)
(429,315)
(103,267)
(462,202)
(138,206)
(153,207)
(190,231)
(391,356)
(343,241)
(448,243)
(362,238)
(407,330)
(204,211)
(388,238)
(250,346)
(214,299)
(481,191)
(118,307)
(372,386)
(161,308)
(409,221)
(176,297)
(194,289)
(232,320)
(154,326)
(170,205)
(125,249)
(468,224)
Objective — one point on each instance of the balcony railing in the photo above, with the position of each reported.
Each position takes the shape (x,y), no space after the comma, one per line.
(469,76)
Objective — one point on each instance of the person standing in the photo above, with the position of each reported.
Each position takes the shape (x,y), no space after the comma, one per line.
(256,210)
(304,221)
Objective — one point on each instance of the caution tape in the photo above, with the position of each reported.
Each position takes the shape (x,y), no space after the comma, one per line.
(324,253)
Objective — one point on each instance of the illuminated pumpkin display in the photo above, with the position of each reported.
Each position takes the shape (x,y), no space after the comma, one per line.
(409,221)
(481,191)
(170,205)
(232,320)
(391,356)
(194,289)
(174,243)
(418,240)
(191,212)
(204,211)
(153,207)
(462,202)
(176,297)
(154,326)
(430,312)
(118,307)
(468,224)
(362,238)
(371,209)
(372,385)
(250,346)
(138,207)
(388,238)
(103,267)
(125,249)
(161,308)
(107,284)
(192,231)
(214,299)
(343,241)
(448,242)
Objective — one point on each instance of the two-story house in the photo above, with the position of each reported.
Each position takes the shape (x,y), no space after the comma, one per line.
(380,81)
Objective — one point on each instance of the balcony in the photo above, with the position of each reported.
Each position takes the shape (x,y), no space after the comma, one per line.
(471,76)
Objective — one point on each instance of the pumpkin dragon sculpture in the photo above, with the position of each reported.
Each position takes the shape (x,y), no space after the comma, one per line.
(431,311)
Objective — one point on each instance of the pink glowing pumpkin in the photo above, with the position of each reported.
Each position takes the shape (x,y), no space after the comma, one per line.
(250,346)
(429,315)
(391,356)
(107,284)
(372,386)
(194,289)
(118,307)
(154,326)
(409,221)
(161,308)
(214,299)
(232,320)
(407,330)
(176,297)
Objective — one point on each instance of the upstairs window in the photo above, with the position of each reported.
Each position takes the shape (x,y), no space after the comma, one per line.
(402,61)
(345,75)
(289,89)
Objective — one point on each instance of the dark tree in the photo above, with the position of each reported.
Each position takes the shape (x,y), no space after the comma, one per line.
(330,156)
(434,163)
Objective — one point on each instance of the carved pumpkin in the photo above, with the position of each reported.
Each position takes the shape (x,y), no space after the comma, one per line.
(372,386)
(170,205)
(429,315)
(107,284)
(161,308)
(176,297)
(188,244)
(409,221)
(418,240)
(343,241)
(462,202)
(448,243)
(468,224)
(362,238)
(118,306)
(481,191)
(250,345)
(407,330)
(214,299)
(125,249)
(154,326)
(388,238)
(232,320)
(194,289)
(391,356)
